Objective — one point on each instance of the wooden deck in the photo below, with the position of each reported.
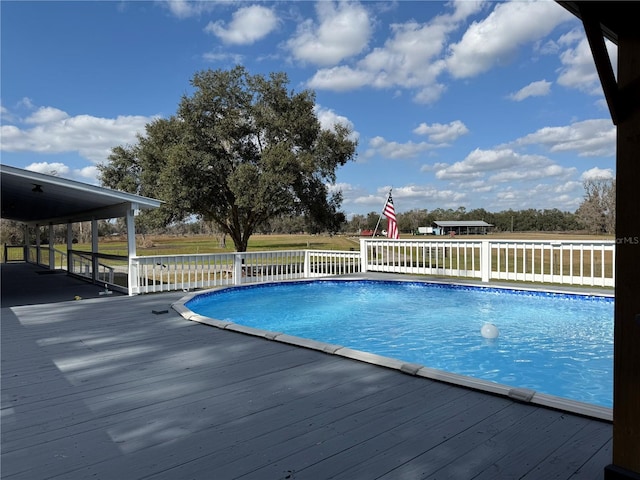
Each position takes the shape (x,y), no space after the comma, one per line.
(104,388)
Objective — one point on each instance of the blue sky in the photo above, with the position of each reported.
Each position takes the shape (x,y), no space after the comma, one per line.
(491,105)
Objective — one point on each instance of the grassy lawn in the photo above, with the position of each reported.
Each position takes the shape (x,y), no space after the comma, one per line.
(172,245)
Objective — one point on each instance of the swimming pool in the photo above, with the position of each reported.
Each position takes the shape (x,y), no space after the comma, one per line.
(557,344)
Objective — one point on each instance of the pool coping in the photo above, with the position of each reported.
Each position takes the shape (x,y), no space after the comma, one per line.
(418,370)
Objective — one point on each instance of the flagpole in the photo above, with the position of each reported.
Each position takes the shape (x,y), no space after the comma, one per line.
(380,216)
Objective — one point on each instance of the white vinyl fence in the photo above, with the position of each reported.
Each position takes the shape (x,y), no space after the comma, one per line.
(569,262)
(589,263)
(186,272)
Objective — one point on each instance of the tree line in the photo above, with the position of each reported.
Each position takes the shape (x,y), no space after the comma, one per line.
(595,215)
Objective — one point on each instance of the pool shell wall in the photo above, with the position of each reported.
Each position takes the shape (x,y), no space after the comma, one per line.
(518,394)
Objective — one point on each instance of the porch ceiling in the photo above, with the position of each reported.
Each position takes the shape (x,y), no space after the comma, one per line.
(32,197)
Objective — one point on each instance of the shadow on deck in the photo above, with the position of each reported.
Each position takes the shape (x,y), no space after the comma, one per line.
(104,388)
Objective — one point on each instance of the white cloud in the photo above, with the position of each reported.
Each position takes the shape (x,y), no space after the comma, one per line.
(340,79)
(232,58)
(186,8)
(578,69)
(596,173)
(410,58)
(46,115)
(328,119)
(426,194)
(53,131)
(408,197)
(496,39)
(247,25)
(479,162)
(534,89)
(379,146)
(527,174)
(439,133)
(343,30)
(85,174)
(54,168)
(588,138)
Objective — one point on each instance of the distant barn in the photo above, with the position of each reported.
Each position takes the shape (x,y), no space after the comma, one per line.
(462,227)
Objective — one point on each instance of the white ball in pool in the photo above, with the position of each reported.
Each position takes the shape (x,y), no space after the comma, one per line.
(489,330)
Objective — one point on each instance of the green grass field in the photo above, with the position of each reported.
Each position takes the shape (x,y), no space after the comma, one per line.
(174,245)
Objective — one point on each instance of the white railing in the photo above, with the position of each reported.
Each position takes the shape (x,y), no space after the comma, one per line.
(573,262)
(83,265)
(419,257)
(46,256)
(187,272)
(569,262)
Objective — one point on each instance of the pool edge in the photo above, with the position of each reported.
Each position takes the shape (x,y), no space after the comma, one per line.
(514,393)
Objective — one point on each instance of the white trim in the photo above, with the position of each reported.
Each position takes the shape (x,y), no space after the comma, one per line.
(144,202)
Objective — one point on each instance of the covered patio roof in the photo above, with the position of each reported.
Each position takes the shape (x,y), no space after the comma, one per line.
(36,198)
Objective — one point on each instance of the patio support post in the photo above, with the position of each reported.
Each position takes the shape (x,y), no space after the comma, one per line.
(626,355)
(52,251)
(38,253)
(132,281)
(25,242)
(94,251)
(69,247)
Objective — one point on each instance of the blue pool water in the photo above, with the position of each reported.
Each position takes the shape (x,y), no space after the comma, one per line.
(558,344)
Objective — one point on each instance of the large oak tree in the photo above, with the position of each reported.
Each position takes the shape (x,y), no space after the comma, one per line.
(241,150)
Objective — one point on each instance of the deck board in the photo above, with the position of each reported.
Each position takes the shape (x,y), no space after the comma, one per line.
(103,388)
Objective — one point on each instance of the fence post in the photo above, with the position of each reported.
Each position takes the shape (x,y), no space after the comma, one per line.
(133,279)
(485,260)
(237,268)
(363,255)
(306,272)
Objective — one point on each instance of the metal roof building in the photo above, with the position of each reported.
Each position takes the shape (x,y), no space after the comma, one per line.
(463,227)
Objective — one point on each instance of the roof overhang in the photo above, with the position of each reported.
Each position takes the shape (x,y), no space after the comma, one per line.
(36,198)
(612,20)
(614,17)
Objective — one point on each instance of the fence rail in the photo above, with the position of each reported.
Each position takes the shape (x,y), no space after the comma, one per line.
(186,272)
(449,258)
(13,253)
(83,265)
(569,263)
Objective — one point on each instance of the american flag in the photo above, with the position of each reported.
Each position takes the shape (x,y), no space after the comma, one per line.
(390,213)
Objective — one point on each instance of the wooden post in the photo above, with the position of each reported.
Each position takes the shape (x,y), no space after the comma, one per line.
(626,381)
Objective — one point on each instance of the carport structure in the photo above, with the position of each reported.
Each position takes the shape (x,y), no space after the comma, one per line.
(463,227)
(37,200)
